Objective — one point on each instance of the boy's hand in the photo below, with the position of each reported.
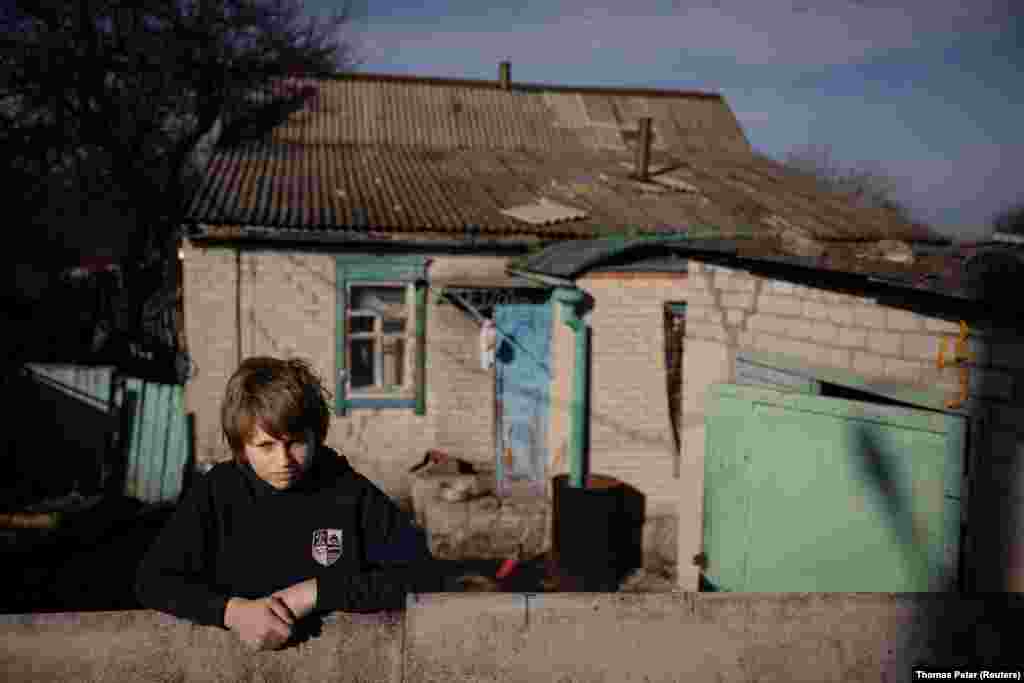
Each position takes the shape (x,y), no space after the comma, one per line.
(264,624)
(300,597)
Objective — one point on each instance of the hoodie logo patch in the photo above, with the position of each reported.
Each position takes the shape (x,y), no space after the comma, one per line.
(327,546)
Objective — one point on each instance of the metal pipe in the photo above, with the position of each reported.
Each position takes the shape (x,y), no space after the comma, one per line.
(570,299)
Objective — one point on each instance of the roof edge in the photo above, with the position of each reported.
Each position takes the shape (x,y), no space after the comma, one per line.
(515,85)
(232,233)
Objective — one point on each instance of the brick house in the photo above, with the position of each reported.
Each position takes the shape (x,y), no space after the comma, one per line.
(375,226)
(794,369)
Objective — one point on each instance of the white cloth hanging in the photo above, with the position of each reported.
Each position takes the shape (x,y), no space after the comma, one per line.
(488,344)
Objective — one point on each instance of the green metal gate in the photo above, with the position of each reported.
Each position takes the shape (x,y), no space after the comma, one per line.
(807,493)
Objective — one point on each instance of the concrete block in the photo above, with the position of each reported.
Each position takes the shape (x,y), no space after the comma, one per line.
(869,316)
(901,370)
(705,330)
(824,332)
(831,357)
(923,347)
(743,300)
(723,280)
(763,322)
(852,336)
(816,310)
(776,344)
(780,305)
(801,328)
(887,343)
(941,326)
(734,316)
(841,314)
(698,297)
(744,283)
(896,319)
(868,364)
(704,313)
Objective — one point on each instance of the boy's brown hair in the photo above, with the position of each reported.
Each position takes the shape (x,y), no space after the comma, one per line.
(282,397)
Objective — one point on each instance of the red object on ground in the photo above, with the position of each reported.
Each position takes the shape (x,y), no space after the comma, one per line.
(507,567)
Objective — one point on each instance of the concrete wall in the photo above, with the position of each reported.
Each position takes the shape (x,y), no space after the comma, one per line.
(509,637)
(731,310)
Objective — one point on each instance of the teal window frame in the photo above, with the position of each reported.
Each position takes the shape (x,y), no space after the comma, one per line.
(376,270)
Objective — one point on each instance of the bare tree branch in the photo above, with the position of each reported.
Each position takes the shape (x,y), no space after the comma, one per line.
(102,103)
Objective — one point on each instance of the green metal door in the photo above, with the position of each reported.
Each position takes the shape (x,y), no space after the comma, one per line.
(805,493)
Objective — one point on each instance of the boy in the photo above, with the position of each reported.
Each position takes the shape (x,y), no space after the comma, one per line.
(287,528)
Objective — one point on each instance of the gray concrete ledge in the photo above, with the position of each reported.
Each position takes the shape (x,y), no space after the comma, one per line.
(563,637)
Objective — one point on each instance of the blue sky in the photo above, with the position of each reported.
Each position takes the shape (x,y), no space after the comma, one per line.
(930,90)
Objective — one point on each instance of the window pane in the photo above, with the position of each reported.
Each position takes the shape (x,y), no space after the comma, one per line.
(393,326)
(361,362)
(360,323)
(382,300)
(394,361)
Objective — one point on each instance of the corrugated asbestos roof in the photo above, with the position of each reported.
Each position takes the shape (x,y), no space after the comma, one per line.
(446,158)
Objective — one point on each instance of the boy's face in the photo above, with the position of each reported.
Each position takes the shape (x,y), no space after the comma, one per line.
(279,463)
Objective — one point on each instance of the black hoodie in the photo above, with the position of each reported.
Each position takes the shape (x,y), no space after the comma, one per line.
(235,535)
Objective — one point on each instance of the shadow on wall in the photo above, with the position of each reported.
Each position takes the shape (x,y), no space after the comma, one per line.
(978,633)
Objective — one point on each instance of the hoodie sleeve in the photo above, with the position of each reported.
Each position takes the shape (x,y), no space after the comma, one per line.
(174,575)
(397,556)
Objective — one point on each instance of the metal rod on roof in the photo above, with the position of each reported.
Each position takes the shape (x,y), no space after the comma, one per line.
(643,149)
(504,75)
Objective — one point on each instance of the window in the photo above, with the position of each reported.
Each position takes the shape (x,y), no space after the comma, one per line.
(381,333)
(378,339)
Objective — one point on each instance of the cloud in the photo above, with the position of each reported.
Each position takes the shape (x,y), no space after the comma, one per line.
(779,32)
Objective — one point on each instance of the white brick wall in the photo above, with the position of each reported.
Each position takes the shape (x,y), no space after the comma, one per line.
(852,333)
(288,308)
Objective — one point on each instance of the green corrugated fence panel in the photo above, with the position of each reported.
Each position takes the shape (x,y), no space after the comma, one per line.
(158,442)
(147,446)
(840,495)
(177,449)
(133,390)
(158,445)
